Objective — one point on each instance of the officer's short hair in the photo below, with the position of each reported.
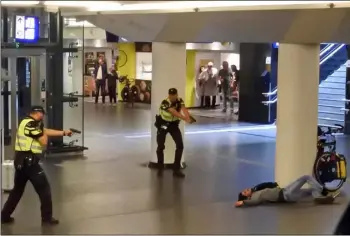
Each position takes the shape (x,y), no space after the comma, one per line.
(172,91)
(37,109)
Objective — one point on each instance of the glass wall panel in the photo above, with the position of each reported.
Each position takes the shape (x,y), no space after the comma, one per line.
(73,89)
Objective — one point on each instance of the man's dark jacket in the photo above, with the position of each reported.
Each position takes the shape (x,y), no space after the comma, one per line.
(104,70)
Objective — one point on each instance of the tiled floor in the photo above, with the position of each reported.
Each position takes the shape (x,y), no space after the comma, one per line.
(108,191)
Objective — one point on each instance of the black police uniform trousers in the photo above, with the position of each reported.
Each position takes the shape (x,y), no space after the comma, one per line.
(29,169)
(175,132)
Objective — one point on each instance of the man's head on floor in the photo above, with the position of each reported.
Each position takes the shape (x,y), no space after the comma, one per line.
(245,194)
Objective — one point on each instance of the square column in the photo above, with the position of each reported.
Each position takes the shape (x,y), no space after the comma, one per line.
(168,71)
(297,111)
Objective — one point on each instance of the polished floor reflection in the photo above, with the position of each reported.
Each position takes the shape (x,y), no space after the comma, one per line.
(109,191)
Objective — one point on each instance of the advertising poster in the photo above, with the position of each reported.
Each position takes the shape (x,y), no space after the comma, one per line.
(144,89)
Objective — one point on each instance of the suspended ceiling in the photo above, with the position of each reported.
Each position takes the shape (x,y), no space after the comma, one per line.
(292,26)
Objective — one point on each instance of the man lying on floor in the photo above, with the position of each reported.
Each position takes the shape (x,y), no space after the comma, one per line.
(270,192)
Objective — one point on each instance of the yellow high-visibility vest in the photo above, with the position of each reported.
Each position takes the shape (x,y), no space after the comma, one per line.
(25,143)
(167,116)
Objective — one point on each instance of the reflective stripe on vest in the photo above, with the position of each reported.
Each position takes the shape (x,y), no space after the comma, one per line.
(25,143)
(167,116)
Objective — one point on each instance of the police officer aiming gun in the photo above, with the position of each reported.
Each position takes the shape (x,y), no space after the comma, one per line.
(172,110)
(31,139)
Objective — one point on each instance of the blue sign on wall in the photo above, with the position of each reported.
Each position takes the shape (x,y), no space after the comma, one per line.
(275,45)
(27,29)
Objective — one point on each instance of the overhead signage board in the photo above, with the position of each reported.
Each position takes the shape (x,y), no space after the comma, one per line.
(27,29)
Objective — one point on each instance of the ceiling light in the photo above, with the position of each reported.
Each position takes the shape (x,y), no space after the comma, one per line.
(85,4)
(19,3)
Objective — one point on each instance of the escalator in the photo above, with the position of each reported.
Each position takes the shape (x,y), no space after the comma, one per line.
(331,104)
(332,84)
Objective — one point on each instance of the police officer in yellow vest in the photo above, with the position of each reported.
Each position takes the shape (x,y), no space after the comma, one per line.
(172,110)
(31,139)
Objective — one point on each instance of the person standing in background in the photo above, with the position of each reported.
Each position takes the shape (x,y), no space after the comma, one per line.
(235,85)
(209,78)
(100,74)
(225,76)
(112,85)
(200,87)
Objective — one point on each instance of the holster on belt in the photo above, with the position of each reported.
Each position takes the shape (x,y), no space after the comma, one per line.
(160,122)
(25,159)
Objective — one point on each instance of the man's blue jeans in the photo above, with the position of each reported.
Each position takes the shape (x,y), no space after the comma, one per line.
(292,192)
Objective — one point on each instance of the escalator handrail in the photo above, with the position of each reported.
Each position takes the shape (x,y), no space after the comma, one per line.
(331,53)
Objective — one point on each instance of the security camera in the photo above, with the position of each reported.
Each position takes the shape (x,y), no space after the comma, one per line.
(196,9)
(331,5)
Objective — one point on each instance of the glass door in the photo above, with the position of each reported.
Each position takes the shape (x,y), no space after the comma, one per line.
(9,107)
(16,93)
(73,100)
(74,91)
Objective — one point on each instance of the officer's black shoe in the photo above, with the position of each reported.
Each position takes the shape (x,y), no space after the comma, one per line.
(7,220)
(160,173)
(179,174)
(324,192)
(51,221)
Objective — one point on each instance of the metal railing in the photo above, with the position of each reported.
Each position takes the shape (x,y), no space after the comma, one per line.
(323,51)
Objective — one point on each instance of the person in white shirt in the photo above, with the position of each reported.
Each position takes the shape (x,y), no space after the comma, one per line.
(209,79)
(100,79)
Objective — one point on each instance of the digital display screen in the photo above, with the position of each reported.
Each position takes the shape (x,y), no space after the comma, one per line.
(27,29)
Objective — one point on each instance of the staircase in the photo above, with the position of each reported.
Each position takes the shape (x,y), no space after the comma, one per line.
(331,108)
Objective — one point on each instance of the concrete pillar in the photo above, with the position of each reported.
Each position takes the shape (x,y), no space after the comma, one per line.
(297,111)
(168,71)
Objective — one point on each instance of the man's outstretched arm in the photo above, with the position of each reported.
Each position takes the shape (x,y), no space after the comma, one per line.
(57,133)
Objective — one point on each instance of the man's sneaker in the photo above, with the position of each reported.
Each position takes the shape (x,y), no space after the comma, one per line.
(324,199)
(224,110)
(7,220)
(51,221)
(324,192)
(336,194)
(179,174)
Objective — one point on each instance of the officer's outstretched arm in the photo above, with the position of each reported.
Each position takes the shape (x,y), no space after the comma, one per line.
(176,113)
(57,133)
(53,132)
(185,111)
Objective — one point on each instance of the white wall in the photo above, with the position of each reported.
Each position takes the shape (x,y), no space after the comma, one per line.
(144,63)
(231,58)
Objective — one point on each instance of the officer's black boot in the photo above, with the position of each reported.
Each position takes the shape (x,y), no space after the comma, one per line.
(160,170)
(51,221)
(179,174)
(7,219)
(177,163)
